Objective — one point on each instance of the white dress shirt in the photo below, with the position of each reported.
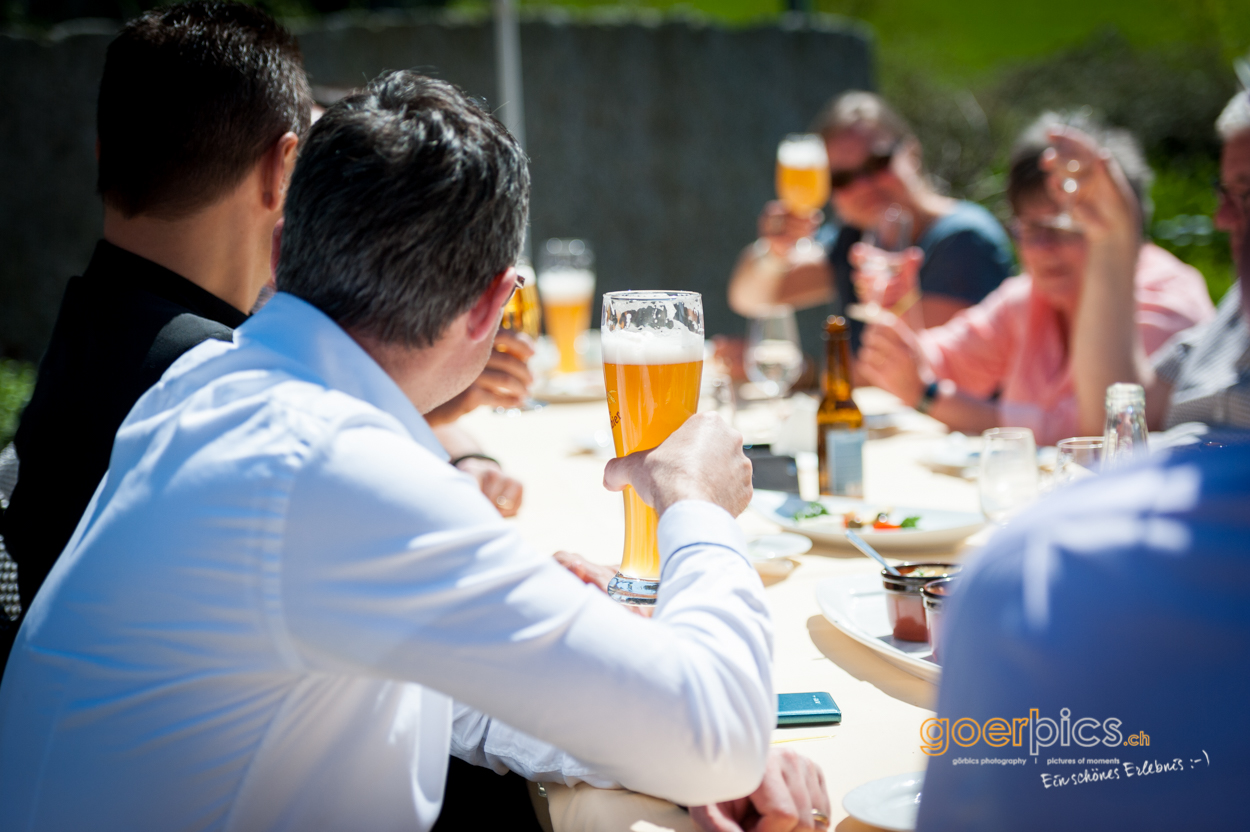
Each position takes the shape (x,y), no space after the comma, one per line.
(281,586)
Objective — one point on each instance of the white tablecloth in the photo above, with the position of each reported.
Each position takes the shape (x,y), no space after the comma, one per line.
(566,507)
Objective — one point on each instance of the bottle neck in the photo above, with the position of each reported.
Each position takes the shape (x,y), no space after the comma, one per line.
(838,367)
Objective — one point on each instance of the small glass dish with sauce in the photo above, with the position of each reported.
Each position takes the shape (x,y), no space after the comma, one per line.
(934,595)
(903,604)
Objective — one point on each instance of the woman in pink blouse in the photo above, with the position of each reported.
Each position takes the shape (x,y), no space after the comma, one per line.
(1017,342)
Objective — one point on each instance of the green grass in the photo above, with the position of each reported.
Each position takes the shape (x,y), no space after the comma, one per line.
(17,381)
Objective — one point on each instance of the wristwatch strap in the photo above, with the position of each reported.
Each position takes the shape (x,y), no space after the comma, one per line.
(928,397)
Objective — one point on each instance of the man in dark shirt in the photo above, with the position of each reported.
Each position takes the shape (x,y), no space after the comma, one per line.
(194,158)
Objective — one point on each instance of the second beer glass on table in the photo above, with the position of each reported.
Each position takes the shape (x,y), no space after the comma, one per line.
(652,366)
(566,283)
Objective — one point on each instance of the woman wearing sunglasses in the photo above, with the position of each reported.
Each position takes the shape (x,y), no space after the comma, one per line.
(1017,343)
(960,250)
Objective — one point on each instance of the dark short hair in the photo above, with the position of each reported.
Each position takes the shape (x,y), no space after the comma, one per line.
(191,98)
(865,113)
(407,200)
(1026,180)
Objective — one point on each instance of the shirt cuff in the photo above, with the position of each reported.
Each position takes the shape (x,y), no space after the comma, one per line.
(698,523)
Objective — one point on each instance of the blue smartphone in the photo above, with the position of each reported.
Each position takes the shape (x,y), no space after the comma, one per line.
(807,709)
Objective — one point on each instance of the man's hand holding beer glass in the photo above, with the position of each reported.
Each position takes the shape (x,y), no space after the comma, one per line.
(505,382)
(701,460)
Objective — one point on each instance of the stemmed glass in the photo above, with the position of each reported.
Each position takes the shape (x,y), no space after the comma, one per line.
(774,359)
(1008,480)
(881,259)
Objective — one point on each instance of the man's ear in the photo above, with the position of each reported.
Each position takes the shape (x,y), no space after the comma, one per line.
(483,316)
(276,166)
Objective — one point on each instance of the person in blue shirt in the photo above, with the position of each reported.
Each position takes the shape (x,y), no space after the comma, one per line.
(1108,632)
(875,166)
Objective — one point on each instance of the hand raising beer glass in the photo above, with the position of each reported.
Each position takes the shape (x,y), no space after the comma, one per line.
(522,313)
(652,365)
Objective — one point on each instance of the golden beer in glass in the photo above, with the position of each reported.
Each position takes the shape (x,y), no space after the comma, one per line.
(802,173)
(566,284)
(523,313)
(652,366)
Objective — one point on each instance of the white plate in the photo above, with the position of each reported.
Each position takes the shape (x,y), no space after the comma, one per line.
(855,604)
(583,386)
(891,802)
(783,545)
(936,529)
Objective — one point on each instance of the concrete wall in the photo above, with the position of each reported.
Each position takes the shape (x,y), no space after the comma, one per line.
(654,140)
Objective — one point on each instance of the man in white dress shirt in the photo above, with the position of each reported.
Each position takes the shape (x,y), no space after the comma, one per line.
(283,608)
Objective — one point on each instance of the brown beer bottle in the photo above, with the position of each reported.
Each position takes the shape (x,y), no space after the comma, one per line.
(840,430)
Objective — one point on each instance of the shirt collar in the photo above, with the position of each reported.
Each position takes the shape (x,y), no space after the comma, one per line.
(112,266)
(298,330)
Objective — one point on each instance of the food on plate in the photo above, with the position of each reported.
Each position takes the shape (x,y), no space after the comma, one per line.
(809,511)
(878,521)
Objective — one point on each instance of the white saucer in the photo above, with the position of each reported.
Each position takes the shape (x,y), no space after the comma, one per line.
(890,803)
(780,545)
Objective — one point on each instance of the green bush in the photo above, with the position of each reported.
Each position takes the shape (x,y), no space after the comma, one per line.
(1168,96)
(17,381)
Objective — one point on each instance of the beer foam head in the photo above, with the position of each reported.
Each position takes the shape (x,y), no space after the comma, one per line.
(651,346)
(803,155)
(566,285)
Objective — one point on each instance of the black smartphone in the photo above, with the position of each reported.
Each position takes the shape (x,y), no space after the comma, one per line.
(807,709)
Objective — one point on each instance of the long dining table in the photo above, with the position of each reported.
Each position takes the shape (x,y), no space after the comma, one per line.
(566,507)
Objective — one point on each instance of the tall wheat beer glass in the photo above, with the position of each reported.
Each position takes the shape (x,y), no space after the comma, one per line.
(652,364)
(566,283)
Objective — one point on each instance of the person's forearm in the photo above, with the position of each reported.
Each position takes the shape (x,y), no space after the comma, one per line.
(755,281)
(762,281)
(456,440)
(963,413)
(464,607)
(482,741)
(1106,347)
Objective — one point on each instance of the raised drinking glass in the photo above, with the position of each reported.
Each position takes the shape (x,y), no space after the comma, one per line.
(652,366)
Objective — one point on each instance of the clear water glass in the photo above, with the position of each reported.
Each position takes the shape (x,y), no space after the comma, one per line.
(774,358)
(1008,480)
(1079,458)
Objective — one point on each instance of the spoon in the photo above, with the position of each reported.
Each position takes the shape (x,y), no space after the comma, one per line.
(862,545)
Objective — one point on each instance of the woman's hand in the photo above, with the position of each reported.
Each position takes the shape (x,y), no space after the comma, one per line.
(890,357)
(1104,204)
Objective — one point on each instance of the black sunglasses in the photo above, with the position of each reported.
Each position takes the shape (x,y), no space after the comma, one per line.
(839,179)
